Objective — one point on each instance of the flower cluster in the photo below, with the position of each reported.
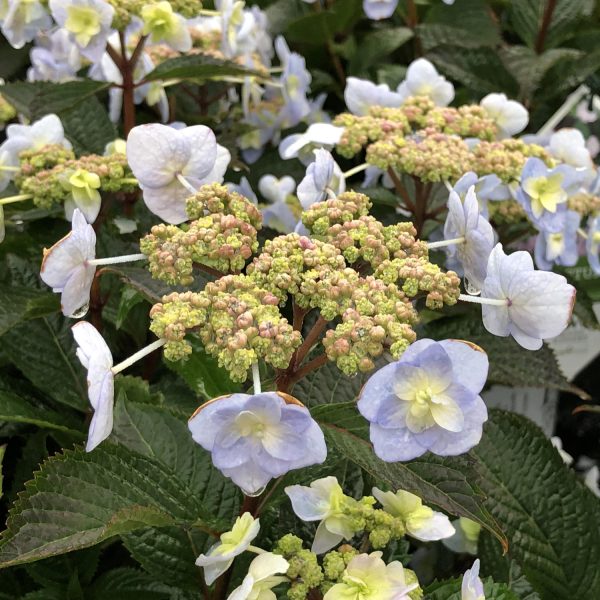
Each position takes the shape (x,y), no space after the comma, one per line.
(221,233)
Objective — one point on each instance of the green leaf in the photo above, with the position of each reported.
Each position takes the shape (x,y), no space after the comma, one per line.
(19,409)
(125,583)
(36,99)
(163,436)
(482,71)
(79,499)
(87,125)
(378,45)
(551,519)
(202,373)
(450,590)
(44,351)
(18,304)
(199,66)
(449,483)
(510,364)
(129,298)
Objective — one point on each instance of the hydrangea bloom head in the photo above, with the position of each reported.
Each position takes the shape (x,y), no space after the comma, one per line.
(464,221)
(88,23)
(367,577)
(427,400)
(361,94)
(321,175)
(560,247)
(326,502)
(510,116)
(265,572)
(231,544)
(95,356)
(472,586)
(537,305)
(420,521)
(422,79)
(66,270)
(253,439)
(157,154)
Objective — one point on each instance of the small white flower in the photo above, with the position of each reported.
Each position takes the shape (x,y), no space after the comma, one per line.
(510,116)
(66,270)
(22,20)
(95,356)
(568,145)
(232,543)
(163,24)
(88,23)
(422,79)
(158,154)
(466,538)
(323,501)
(265,572)
(421,522)
(323,176)
(361,94)
(301,145)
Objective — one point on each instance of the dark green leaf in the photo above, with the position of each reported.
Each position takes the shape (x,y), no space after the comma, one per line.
(377,45)
(18,304)
(2,451)
(128,584)
(551,519)
(199,66)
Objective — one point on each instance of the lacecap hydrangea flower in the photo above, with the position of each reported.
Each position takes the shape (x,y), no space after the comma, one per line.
(66,270)
(517,300)
(568,146)
(161,157)
(367,577)
(464,223)
(472,586)
(163,24)
(265,572)
(22,20)
(487,187)
(323,501)
(231,544)
(465,538)
(421,522)
(96,357)
(360,95)
(422,79)
(254,438)
(427,400)
(301,145)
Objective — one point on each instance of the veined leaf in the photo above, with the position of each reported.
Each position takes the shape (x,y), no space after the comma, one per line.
(18,304)
(2,451)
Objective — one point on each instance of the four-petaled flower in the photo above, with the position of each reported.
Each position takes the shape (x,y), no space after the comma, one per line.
(367,577)
(422,79)
(510,116)
(66,270)
(95,356)
(231,544)
(323,177)
(421,522)
(83,186)
(254,438)
(163,24)
(265,572)
(361,94)
(559,247)
(160,156)
(530,305)
(427,400)
(326,502)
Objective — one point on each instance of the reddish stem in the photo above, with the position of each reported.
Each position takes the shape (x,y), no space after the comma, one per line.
(546,20)
(401,190)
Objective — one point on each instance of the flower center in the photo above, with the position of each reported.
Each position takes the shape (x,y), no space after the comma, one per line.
(84,22)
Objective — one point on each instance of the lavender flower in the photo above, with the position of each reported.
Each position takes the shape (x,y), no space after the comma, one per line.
(464,222)
(558,248)
(66,270)
(22,20)
(422,79)
(95,356)
(379,9)
(428,400)
(255,438)
(322,175)
(544,192)
(529,305)
(487,187)
(296,82)
(278,215)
